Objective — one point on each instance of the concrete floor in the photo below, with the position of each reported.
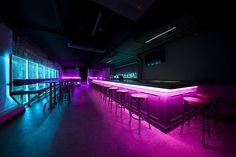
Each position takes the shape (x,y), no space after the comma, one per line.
(88,127)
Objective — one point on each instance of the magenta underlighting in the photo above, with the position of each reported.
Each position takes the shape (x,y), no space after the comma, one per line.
(71,77)
(93,77)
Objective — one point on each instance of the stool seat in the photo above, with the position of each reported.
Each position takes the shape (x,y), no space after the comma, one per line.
(206,96)
(113,88)
(122,91)
(193,100)
(139,96)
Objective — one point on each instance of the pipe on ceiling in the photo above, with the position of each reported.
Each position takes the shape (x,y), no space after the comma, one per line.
(80,47)
(96,24)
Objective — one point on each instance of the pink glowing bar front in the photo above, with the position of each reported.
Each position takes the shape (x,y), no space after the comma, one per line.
(165,105)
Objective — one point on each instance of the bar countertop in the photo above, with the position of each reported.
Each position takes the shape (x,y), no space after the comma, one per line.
(166,84)
(149,88)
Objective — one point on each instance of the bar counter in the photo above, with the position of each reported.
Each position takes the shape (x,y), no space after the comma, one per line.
(165,104)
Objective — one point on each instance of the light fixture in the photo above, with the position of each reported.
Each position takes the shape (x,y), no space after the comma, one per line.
(109,61)
(167,31)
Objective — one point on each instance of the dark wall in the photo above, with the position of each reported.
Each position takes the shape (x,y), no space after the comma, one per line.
(203,56)
(83,74)
(5,50)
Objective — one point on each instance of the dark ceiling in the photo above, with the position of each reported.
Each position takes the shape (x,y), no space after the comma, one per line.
(97,32)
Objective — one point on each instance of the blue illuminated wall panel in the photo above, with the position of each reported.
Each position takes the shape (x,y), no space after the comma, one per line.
(26,69)
(32,73)
(18,70)
(41,72)
(47,72)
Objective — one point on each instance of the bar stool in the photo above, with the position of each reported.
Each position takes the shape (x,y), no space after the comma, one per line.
(139,98)
(111,94)
(200,106)
(214,104)
(121,98)
(105,92)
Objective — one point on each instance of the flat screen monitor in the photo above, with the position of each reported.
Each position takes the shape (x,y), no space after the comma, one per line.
(155,57)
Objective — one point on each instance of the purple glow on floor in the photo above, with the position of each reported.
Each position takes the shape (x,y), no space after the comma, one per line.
(89,127)
(153,142)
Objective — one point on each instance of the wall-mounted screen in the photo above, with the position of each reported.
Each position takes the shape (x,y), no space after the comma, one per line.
(155,57)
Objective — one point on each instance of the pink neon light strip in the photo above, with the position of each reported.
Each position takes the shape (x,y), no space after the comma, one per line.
(70,77)
(146,89)
(100,78)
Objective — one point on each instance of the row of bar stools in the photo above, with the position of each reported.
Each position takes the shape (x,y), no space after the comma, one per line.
(199,106)
(139,98)
(111,95)
(120,94)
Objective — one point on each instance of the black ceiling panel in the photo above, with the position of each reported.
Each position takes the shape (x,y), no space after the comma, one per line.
(119,28)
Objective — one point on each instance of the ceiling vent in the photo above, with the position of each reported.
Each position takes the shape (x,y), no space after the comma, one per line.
(86,48)
(131,9)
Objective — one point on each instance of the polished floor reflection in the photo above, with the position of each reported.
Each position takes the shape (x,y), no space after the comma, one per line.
(88,127)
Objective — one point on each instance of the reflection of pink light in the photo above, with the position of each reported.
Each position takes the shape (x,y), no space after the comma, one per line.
(148,89)
(90,77)
(70,77)
(100,78)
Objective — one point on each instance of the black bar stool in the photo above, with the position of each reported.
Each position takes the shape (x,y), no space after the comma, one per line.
(214,104)
(121,98)
(105,92)
(139,98)
(199,106)
(111,95)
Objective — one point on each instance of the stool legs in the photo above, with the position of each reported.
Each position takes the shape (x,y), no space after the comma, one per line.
(139,103)
(121,104)
(139,120)
(203,128)
(205,119)
(148,115)
(130,113)
(109,97)
(182,126)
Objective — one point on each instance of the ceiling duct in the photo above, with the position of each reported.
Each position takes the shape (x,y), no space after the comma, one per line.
(132,9)
(86,48)
(96,24)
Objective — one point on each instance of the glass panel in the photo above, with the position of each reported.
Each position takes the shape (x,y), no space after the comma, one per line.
(47,72)
(57,73)
(18,71)
(51,73)
(32,73)
(41,74)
